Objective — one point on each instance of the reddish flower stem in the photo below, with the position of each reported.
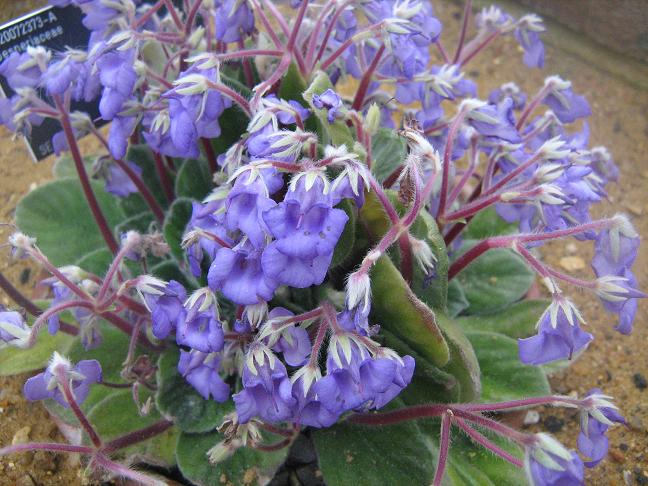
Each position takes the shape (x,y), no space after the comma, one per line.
(137,436)
(359,98)
(444,448)
(97,213)
(464,28)
(148,196)
(209,153)
(487,444)
(45,446)
(163,174)
(71,400)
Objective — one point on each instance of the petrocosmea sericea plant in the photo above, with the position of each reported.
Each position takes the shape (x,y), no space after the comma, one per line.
(256,261)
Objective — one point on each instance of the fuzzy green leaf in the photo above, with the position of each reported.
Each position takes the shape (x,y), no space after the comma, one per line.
(388,152)
(58,216)
(174,225)
(517,321)
(194,179)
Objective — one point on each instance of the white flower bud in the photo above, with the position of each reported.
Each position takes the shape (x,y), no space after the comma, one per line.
(358,291)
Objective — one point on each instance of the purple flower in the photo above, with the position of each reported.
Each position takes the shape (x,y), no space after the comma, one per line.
(165,302)
(495,121)
(203,223)
(595,420)
(615,250)
(306,229)
(201,370)
(13,328)
(62,294)
(329,100)
(118,182)
(286,110)
(311,393)
(567,472)
(49,383)
(21,70)
(118,78)
(267,390)
(121,129)
(508,90)
(527,33)
(245,204)
(559,335)
(201,328)
(567,105)
(293,342)
(238,274)
(234,21)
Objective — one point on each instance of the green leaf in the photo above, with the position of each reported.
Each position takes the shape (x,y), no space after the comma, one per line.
(139,222)
(488,223)
(457,301)
(463,363)
(117,414)
(517,321)
(169,270)
(432,291)
(504,377)
(344,246)
(398,310)
(14,361)
(292,84)
(388,152)
(495,280)
(180,402)
(194,179)
(58,215)
(246,467)
(337,132)
(407,453)
(174,225)
(352,455)
(64,167)
(142,155)
(96,261)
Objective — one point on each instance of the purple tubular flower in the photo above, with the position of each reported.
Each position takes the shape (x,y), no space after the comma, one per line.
(118,78)
(165,301)
(48,385)
(496,121)
(245,205)
(533,47)
(20,71)
(329,100)
(234,21)
(306,229)
(561,339)
(201,328)
(204,219)
(118,182)
(12,326)
(311,408)
(595,421)
(121,129)
(201,371)
(567,105)
(293,343)
(238,274)
(570,472)
(267,391)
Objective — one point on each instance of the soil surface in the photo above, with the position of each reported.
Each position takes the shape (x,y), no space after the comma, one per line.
(617,364)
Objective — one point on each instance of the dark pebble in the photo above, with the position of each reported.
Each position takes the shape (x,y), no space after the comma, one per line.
(616,128)
(553,424)
(24,276)
(624,447)
(640,381)
(640,477)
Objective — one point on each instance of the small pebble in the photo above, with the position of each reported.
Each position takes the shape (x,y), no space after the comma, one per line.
(532,417)
(572,263)
(553,424)
(640,381)
(24,276)
(624,447)
(617,456)
(571,248)
(21,436)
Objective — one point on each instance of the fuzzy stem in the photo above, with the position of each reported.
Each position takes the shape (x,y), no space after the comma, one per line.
(29,306)
(442,51)
(148,196)
(447,155)
(71,400)
(444,448)
(329,31)
(464,28)
(384,201)
(123,471)
(137,436)
(312,40)
(359,98)
(462,262)
(487,444)
(45,446)
(97,213)
(114,267)
(267,25)
(522,403)
(231,94)
(209,153)
(533,104)
(163,174)
(41,320)
(490,38)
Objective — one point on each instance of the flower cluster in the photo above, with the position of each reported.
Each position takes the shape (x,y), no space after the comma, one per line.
(269,206)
